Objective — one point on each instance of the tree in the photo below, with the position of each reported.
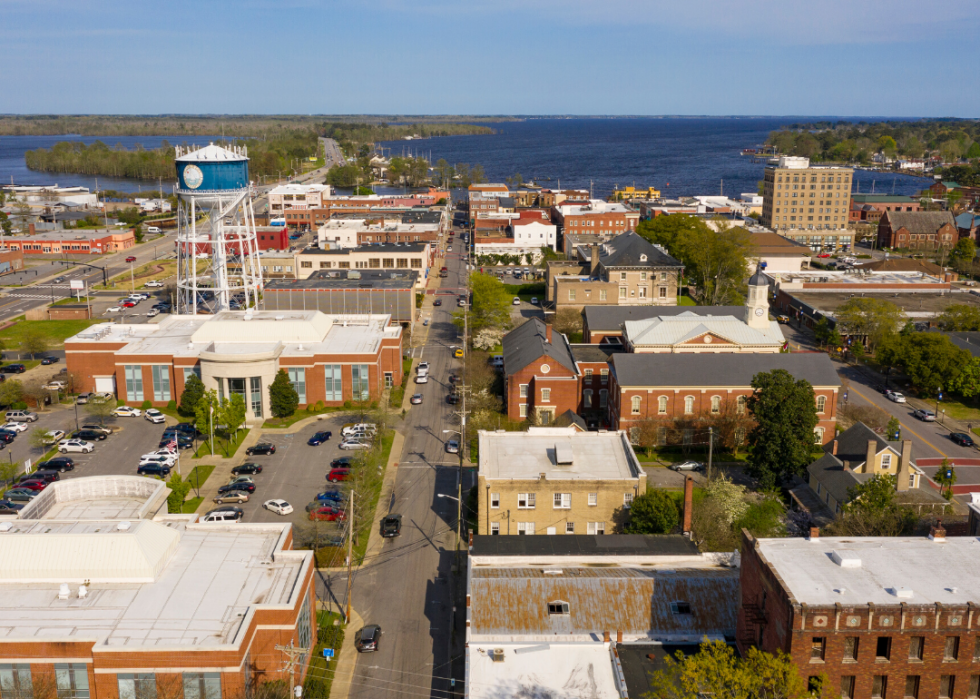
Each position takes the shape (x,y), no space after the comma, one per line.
(652,512)
(193,392)
(967,383)
(786,414)
(39,438)
(179,489)
(35,341)
(826,335)
(204,414)
(233,413)
(871,510)
(893,430)
(568,321)
(959,317)
(964,250)
(715,671)
(490,304)
(283,398)
(487,338)
(34,389)
(946,478)
(100,409)
(873,318)
(11,391)
(932,361)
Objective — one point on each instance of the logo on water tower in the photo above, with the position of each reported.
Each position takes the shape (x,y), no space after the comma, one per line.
(193,177)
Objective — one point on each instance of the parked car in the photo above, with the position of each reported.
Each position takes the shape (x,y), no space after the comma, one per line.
(113,309)
(49,360)
(236,496)
(126,411)
(161,470)
(89,435)
(261,449)
(368,638)
(247,487)
(422,378)
(160,459)
(687,466)
(46,476)
(391,525)
(130,304)
(58,463)
(152,312)
(13,369)
(319,438)
(437,302)
(331,496)
(962,438)
(924,415)
(181,442)
(55,386)
(153,285)
(98,428)
(338,474)
(353,444)
(241,479)
(154,416)
(247,469)
(280,507)
(534,300)
(20,494)
(15,427)
(894,396)
(21,416)
(228,513)
(11,505)
(82,398)
(458,353)
(422,367)
(452,446)
(131,258)
(342,462)
(416,399)
(77,445)
(453,399)
(352,428)
(6,437)
(326,513)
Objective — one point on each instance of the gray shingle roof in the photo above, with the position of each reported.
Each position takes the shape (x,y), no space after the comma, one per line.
(719,369)
(835,479)
(528,342)
(611,318)
(628,249)
(970,341)
(920,222)
(595,353)
(852,443)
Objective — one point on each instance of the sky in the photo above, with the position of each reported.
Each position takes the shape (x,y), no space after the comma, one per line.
(641,57)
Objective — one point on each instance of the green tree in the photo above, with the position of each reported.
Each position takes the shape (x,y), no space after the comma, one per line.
(973,151)
(179,489)
(11,391)
(233,413)
(100,409)
(827,335)
(35,341)
(871,510)
(652,512)
(667,230)
(946,478)
(874,318)
(283,399)
(786,415)
(932,361)
(490,303)
(967,383)
(963,251)
(205,416)
(193,392)
(39,438)
(893,429)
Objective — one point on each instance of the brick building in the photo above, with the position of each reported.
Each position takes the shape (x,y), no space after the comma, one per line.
(918,230)
(869,208)
(886,618)
(329,358)
(77,241)
(540,375)
(556,480)
(595,216)
(346,292)
(382,256)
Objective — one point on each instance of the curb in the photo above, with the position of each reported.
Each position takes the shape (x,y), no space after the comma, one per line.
(343,675)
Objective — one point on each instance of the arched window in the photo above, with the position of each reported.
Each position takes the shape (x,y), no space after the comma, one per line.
(662,405)
(821,403)
(636,405)
(741,404)
(716,404)
(689,405)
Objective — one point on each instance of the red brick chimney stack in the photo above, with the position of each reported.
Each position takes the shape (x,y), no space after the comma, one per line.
(688,504)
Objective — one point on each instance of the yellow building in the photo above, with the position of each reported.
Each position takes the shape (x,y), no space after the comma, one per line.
(631,193)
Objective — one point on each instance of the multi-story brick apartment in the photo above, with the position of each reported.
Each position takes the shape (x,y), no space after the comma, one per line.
(808,204)
(78,241)
(595,216)
(869,208)
(105,596)
(917,230)
(624,271)
(556,480)
(382,256)
(329,358)
(888,618)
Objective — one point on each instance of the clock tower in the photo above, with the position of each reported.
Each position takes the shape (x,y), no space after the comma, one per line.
(757,303)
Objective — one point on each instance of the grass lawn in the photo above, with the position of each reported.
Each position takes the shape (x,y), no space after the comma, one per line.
(151,271)
(202,472)
(222,446)
(330,634)
(190,506)
(371,502)
(56,331)
(280,422)
(685,300)
(958,410)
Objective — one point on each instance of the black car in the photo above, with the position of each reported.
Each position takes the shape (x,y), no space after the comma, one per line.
(263,449)
(89,435)
(367,638)
(391,526)
(47,475)
(247,470)
(153,470)
(182,441)
(49,360)
(242,485)
(319,438)
(962,438)
(7,437)
(237,511)
(453,399)
(437,302)
(58,463)
(185,427)
(342,462)
(13,369)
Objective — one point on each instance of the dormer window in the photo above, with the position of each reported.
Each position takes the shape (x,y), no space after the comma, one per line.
(557,607)
(643,258)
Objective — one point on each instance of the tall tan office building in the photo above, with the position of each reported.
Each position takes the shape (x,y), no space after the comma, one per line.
(809,204)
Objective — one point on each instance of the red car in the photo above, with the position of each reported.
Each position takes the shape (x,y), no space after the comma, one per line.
(129,304)
(326,513)
(338,474)
(33,485)
(824,254)
(131,258)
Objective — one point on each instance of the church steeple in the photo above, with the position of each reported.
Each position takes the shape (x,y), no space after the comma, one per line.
(757,303)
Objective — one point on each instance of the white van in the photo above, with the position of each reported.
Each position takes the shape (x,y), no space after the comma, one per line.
(153,229)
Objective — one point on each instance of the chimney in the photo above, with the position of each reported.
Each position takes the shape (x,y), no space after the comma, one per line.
(547,332)
(619,636)
(470,544)
(814,533)
(904,466)
(869,460)
(605,637)
(833,448)
(594,261)
(688,504)
(937,533)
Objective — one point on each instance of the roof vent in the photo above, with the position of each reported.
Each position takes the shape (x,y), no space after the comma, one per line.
(82,592)
(6,526)
(64,592)
(123,526)
(553,571)
(902,592)
(563,455)
(280,317)
(846,559)
(497,655)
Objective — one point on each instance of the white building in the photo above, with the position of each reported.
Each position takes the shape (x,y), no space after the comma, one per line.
(49,196)
(297,196)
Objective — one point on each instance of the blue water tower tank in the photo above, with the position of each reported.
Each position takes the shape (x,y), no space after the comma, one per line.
(212,169)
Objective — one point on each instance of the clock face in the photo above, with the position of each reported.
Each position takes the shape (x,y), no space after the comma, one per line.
(758,311)
(193,177)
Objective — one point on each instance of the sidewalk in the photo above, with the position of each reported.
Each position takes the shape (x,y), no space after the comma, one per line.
(343,675)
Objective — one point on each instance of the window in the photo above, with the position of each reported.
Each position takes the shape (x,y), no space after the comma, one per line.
(134,383)
(662,405)
(817,646)
(663,292)
(636,401)
(161,383)
(306,265)
(495,501)
(202,685)
(946,686)
(643,292)
(627,500)
(912,686)
(495,529)
(525,528)
(847,687)
(72,680)
(545,395)
(360,387)
(557,607)
(389,379)
(916,645)
(886,461)
(298,378)
(562,501)
(688,405)
(818,435)
(416,263)
(593,499)
(334,385)
(851,648)
(522,410)
(643,276)
(952,649)
(821,403)
(588,374)
(974,687)
(603,398)
(622,276)
(879,684)
(680,608)
(603,376)
(716,404)
(622,292)
(602,295)
(884,648)
(525,501)
(15,681)
(571,294)
(255,384)
(523,390)
(142,685)
(569,527)
(587,398)
(596,528)
(188,370)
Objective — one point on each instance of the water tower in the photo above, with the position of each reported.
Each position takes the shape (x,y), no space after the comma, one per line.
(217,255)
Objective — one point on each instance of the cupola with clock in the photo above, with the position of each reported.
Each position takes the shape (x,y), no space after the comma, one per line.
(757,302)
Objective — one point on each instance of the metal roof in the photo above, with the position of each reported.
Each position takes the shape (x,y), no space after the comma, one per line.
(611,318)
(674,330)
(726,369)
(583,545)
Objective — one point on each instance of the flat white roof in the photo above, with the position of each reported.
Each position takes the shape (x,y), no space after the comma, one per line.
(540,670)
(300,188)
(947,572)
(561,453)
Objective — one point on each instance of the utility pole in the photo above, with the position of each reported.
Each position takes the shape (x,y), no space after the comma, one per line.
(350,554)
(293,653)
(462,440)
(711,443)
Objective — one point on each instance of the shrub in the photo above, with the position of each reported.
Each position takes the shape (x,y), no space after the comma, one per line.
(653,512)
(120,403)
(146,405)
(348,405)
(172,405)
(19,405)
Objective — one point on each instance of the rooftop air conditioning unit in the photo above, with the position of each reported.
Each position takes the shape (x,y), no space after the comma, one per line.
(497,655)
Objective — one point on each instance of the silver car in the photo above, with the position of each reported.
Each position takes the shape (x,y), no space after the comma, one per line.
(687,466)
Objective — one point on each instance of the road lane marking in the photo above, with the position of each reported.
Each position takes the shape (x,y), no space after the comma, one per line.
(928,443)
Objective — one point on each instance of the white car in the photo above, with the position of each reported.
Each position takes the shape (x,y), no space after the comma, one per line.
(162,456)
(534,300)
(55,386)
(154,416)
(423,366)
(153,285)
(280,507)
(359,427)
(126,411)
(354,444)
(113,309)
(153,312)
(53,436)
(516,301)
(895,397)
(68,445)
(158,460)
(422,378)
(15,427)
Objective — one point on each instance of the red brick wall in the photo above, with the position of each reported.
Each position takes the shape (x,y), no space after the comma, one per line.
(565,394)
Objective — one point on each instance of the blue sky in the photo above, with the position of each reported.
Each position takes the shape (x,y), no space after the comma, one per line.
(849,57)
